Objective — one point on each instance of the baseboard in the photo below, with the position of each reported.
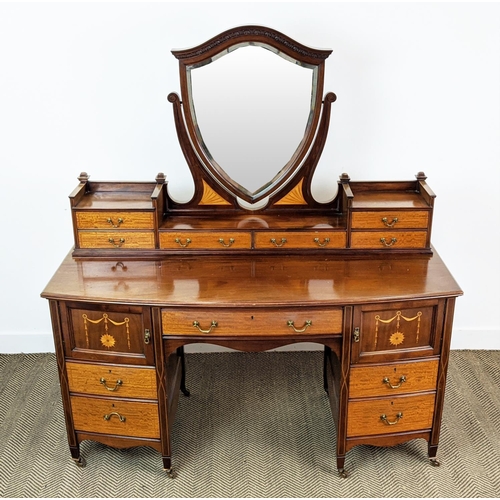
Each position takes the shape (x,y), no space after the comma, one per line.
(32,343)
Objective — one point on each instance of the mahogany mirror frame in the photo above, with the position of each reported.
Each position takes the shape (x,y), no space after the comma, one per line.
(209,177)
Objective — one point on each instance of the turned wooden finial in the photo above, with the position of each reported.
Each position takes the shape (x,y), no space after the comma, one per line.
(344,178)
(84,177)
(161,178)
(421,176)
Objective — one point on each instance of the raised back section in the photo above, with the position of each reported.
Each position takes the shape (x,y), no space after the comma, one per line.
(282,184)
(277,214)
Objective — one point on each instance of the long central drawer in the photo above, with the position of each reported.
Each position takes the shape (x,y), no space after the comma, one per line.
(237,322)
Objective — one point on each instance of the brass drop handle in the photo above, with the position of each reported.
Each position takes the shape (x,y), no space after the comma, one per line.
(183,245)
(325,242)
(389,224)
(399,416)
(118,384)
(384,242)
(109,220)
(221,241)
(307,324)
(109,415)
(402,380)
(117,245)
(213,325)
(276,244)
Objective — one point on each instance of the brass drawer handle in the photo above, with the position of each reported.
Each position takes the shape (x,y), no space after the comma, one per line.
(389,224)
(118,384)
(307,324)
(402,380)
(109,220)
(117,245)
(276,244)
(183,245)
(221,241)
(399,416)
(384,242)
(325,242)
(213,325)
(109,415)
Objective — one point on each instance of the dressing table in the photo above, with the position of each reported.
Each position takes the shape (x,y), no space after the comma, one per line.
(252,264)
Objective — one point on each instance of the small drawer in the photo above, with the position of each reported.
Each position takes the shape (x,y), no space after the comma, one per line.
(114,220)
(116,239)
(394,378)
(198,240)
(300,239)
(388,239)
(388,220)
(115,416)
(118,269)
(251,322)
(112,380)
(390,415)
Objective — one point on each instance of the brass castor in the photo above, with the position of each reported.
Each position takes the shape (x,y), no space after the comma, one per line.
(170,473)
(342,473)
(80,462)
(435,462)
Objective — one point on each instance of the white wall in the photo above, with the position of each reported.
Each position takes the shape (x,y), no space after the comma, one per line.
(83,88)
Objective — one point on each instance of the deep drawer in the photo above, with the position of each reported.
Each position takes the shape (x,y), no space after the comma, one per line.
(194,240)
(390,415)
(114,220)
(300,239)
(393,378)
(112,380)
(387,220)
(250,322)
(114,416)
(116,239)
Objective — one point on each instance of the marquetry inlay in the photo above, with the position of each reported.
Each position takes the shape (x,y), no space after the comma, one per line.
(397,337)
(107,340)
(294,197)
(210,197)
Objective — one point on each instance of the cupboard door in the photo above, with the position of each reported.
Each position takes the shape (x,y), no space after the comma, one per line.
(110,333)
(399,330)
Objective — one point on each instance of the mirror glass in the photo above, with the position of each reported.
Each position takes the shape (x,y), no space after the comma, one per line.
(251,110)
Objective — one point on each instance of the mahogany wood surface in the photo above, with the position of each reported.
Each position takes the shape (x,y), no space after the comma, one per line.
(262,281)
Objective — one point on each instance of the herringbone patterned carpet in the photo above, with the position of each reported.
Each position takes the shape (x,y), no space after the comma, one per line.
(256,425)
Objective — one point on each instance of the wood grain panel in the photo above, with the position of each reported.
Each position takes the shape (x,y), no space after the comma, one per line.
(404,220)
(369,380)
(135,382)
(140,418)
(116,239)
(251,321)
(364,415)
(299,239)
(205,240)
(107,220)
(404,239)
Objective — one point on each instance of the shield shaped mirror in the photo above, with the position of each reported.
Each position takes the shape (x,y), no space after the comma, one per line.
(251,103)
(250,111)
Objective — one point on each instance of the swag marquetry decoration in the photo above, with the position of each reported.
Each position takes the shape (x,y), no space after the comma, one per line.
(107,340)
(398,337)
